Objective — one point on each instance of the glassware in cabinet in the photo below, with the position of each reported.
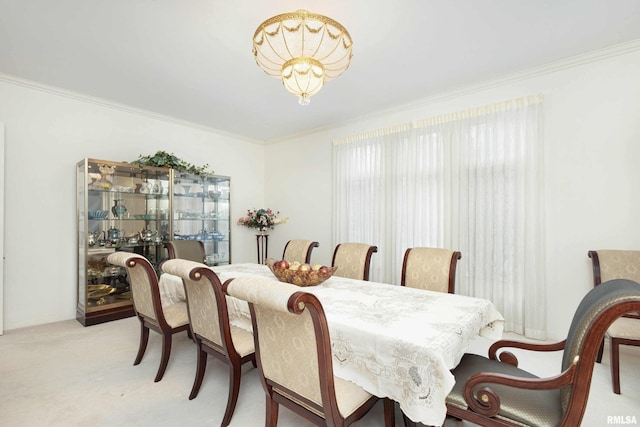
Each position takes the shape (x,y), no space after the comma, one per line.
(120,207)
(201,212)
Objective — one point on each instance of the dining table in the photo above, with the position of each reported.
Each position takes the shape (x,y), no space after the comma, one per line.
(391,340)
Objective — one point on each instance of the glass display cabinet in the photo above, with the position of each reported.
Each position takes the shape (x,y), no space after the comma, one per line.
(120,207)
(201,212)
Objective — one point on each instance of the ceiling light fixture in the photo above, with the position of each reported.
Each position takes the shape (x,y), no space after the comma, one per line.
(303,49)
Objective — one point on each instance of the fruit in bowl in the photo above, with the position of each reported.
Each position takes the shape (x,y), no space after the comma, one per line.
(300,274)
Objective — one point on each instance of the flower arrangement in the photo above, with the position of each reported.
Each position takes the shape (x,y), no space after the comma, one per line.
(261,219)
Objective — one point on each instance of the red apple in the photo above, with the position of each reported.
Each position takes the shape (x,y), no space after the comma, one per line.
(281,265)
(324,271)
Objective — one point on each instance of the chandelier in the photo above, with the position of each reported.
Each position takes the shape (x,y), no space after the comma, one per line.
(303,49)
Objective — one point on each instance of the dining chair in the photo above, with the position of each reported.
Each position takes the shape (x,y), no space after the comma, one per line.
(294,356)
(353,260)
(192,250)
(617,264)
(209,320)
(166,321)
(433,269)
(299,250)
(493,391)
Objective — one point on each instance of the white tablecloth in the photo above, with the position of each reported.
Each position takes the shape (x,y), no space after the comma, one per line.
(393,341)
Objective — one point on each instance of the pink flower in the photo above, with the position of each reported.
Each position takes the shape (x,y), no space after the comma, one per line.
(261,219)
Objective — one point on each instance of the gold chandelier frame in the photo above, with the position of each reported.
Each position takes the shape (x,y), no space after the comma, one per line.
(304,49)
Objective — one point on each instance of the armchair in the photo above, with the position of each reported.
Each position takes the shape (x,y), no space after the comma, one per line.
(495,392)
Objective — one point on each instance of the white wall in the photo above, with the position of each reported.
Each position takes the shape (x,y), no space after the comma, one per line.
(592,152)
(47,133)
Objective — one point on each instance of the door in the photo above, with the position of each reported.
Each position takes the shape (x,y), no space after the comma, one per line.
(2,228)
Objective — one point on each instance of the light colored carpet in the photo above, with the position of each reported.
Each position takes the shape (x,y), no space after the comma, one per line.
(63,374)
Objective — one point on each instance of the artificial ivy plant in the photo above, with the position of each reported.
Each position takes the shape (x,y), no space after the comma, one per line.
(164,159)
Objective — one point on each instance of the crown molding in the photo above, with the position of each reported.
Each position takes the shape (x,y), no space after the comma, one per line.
(549,68)
(545,69)
(552,67)
(65,93)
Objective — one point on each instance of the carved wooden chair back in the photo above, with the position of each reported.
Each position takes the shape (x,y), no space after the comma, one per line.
(299,250)
(192,250)
(353,260)
(433,269)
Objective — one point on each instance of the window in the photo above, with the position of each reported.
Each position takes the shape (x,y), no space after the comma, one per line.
(469,181)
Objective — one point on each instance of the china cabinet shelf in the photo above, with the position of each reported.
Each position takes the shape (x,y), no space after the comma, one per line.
(125,207)
(201,212)
(109,196)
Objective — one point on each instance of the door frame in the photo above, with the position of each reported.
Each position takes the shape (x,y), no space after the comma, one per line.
(2,160)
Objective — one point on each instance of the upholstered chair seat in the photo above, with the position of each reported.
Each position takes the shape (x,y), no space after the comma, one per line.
(541,408)
(350,396)
(625,328)
(176,314)
(242,341)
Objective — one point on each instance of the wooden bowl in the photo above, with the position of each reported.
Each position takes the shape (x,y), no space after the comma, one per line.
(301,278)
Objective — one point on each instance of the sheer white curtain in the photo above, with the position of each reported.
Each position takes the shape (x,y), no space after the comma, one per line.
(469,181)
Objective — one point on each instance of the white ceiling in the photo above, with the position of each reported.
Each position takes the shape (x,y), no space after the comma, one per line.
(192,60)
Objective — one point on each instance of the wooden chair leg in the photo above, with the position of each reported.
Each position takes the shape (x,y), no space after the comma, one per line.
(615,364)
(271,418)
(144,339)
(234,388)
(164,360)
(201,366)
(389,413)
(408,422)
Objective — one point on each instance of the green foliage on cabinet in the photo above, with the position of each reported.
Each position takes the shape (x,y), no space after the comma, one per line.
(170,160)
